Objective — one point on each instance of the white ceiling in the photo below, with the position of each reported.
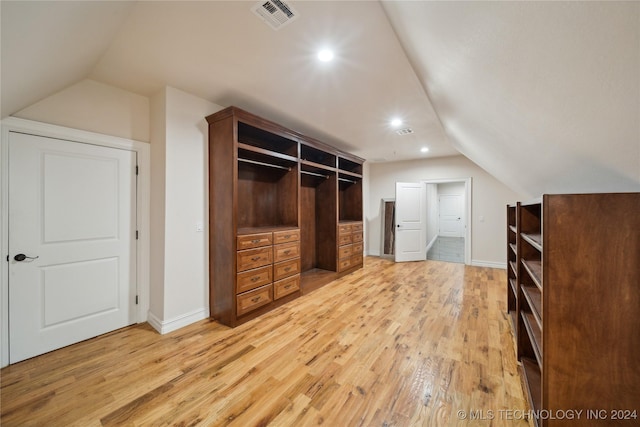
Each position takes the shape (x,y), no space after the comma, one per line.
(543,95)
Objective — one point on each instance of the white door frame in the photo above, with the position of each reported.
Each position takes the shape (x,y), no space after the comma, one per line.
(14,124)
(467,211)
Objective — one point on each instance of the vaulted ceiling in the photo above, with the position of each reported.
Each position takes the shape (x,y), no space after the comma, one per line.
(543,95)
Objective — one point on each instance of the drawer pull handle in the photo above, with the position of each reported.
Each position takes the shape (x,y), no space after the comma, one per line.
(287,287)
(255,258)
(256,241)
(287,269)
(256,299)
(287,252)
(255,279)
(288,236)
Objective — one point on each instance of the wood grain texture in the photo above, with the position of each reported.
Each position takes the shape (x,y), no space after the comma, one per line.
(407,344)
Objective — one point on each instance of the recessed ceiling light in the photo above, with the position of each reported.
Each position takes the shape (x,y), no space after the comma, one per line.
(325,55)
(424,149)
(395,122)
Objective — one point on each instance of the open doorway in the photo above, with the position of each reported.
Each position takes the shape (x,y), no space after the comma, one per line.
(448,214)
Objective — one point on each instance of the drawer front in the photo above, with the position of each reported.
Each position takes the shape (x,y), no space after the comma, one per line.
(286,269)
(356,228)
(286,236)
(345,251)
(249,241)
(344,264)
(357,248)
(286,286)
(344,229)
(253,279)
(345,239)
(356,237)
(254,258)
(286,251)
(356,259)
(253,299)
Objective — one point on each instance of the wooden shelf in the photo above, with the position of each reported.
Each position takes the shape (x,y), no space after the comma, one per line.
(514,286)
(534,240)
(534,299)
(514,268)
(266,229)
(532,381)
(535,334)
(513,228)
(534,268)
(317,166)
(265,152)
(353,174)
(514,248)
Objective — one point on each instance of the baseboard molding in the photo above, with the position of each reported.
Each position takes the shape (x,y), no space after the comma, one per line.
(166,326)
(492,264)
(431,243)
(372,253)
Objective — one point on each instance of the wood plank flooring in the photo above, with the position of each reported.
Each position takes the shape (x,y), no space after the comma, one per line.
(408,344)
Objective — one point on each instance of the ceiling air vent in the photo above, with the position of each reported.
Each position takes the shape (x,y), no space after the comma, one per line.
(275,13)
(405,131)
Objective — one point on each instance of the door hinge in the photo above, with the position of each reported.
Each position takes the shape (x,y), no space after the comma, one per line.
(136,299)
(136,234)
(136,169)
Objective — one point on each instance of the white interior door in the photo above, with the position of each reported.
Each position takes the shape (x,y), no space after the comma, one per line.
(411,226)
(72,215)
(451,213)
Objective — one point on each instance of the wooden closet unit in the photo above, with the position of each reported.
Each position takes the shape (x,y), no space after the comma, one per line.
(276,201)
(577,320)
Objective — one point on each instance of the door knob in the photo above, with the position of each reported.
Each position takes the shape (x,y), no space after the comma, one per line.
(22,257)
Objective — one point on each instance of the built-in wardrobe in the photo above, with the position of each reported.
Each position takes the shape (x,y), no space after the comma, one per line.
(285,215)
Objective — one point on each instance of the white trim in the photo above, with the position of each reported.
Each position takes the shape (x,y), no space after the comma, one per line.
(432,242)
(166,326)
(14,124)
(467,200)
(492,264)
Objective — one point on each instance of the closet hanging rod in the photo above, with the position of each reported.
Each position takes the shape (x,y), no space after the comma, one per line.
(315,174)
(347,180)
(264,164)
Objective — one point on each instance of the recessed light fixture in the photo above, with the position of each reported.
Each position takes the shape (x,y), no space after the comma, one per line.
(326,55)
(424,149)
(396,122)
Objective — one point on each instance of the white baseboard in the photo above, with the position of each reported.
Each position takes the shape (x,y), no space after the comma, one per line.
(492,264)
(166,326)
(432,242)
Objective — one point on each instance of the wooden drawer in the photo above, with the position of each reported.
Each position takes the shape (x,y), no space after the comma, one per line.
(344,239)
(254,258)
(344,229)
(286,251)
(357,248)
(254,299)
(345,251)
(248,241)
(286,269)
(356,259)
(344,264)
(356,237)
(286,236)
(286,286)
(253,279)
(356,228)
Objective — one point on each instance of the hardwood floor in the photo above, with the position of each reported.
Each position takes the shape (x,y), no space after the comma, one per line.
(408,344)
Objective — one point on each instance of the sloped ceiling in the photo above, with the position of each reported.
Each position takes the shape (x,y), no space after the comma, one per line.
(543,95)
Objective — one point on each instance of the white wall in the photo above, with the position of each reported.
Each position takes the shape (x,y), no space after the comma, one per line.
(95,107)
(488,200)
(180,286)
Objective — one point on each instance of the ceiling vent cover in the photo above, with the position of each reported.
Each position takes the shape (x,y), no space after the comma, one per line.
(275,13)
(405,131)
